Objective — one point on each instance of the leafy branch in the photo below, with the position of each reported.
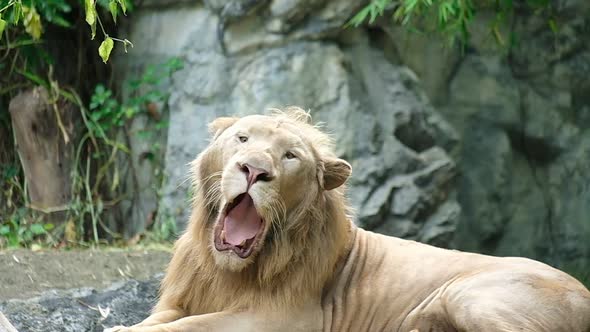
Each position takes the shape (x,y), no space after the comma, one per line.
(92,18)
(15,11)
(453,17)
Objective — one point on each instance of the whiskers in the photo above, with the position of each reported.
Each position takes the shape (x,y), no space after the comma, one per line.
(276,215)
(213,193)
(209,190)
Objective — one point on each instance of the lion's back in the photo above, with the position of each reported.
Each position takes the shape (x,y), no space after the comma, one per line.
(391,284)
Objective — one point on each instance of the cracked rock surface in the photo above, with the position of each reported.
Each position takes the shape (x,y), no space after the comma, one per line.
(79,310)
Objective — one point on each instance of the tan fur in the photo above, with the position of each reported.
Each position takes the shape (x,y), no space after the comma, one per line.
(314,270)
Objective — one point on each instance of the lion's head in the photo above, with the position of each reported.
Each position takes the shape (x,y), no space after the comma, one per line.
(265,183)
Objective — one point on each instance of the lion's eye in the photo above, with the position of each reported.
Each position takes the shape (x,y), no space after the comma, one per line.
(243,139)
(290,155)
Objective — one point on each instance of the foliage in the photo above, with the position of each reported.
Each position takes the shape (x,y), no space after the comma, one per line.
(105,119)
(95,165)
(26,59)
(452,18)
(17,231)
(30,14)
(107,113)
(163,230)
(19,227)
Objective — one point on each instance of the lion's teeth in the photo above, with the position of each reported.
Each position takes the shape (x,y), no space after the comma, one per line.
(222,236)
(242,244)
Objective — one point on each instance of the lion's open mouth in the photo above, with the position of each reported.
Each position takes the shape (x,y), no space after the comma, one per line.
(239,227)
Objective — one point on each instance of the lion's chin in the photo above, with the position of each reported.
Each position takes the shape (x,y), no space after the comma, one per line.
(228,260)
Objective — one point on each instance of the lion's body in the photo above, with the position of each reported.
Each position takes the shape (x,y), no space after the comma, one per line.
(309,268)
(391,284)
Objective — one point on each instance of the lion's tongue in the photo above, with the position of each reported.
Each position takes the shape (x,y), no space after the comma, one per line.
(242,222)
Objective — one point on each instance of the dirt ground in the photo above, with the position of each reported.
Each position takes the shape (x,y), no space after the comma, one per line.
(24,273)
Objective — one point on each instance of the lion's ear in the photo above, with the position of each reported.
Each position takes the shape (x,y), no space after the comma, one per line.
(220,124)
(335,173)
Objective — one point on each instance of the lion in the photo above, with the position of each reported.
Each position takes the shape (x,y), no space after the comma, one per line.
(271,246)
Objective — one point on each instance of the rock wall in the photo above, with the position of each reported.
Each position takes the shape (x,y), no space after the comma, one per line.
(525,187)
(283,54)
(520,115)
(523,117)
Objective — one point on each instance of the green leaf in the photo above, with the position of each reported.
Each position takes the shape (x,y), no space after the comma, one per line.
(551,23)
(2,26)
(93,31)
(174,64)
(48,227)
(17,12)
(359,17)
(32,22)
(59,20)
(90,12)
(114,8)
(162,124)
(123,6)
(4,229)
(38,80)
(144,134)
(99,90)
(90,9)
(130,112)
(37,229)
(105,49)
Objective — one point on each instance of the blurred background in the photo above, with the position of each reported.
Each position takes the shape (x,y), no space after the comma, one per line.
(466,122)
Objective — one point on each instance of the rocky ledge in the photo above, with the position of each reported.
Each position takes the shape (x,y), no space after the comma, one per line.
(83,309)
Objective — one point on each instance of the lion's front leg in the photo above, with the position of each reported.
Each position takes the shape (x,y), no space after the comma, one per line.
(234,321)
(161,317)
(219,321)
(156,318)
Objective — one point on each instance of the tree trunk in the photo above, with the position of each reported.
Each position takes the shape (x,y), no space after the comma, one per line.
(44,136)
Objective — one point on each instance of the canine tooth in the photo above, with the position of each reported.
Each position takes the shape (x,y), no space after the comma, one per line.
(242,244)
(222,235)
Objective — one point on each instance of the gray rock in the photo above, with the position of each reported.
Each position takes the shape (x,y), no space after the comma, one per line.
(288,21)
(395,178)
(433,60)
(532,56)
(483,87)
(126,303)
(439,229)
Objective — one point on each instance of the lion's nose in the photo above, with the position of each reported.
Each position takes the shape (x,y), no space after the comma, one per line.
(254,174)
